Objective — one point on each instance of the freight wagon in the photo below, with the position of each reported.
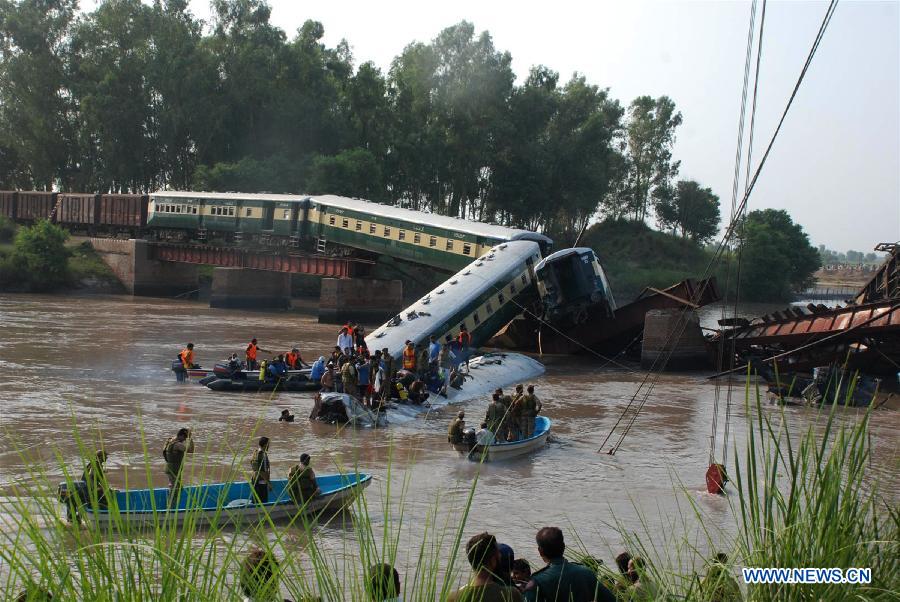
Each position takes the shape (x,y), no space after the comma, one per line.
(32,206)
(8,203)
(78,212)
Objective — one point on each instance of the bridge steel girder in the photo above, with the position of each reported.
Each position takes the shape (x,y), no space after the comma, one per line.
(332,267)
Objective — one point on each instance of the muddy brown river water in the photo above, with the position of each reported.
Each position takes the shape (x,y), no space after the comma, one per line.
(105,362)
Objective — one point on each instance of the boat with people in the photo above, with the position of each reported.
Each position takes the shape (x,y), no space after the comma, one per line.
(222,503)
(344,409)
(504,450)
(291,383)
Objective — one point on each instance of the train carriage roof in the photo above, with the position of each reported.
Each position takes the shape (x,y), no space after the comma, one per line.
(229,196)
(438,221)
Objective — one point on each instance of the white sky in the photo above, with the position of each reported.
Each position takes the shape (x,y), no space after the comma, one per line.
(836,165)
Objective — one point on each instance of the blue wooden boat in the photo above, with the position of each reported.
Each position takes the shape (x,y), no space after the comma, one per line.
(222,503)
(503,450)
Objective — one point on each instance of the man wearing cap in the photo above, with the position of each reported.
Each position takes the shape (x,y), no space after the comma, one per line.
(531,407)
(456,428)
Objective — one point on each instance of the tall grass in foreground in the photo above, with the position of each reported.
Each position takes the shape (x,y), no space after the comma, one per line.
(800,500)
(797,500)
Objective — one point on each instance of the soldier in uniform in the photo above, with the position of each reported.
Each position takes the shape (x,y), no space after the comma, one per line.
(423,362)
(531,407)
(302,481)
(94,477)
(495,415)
(561,580)
(261,471)
(506,425)
(173,453)
(455,430)
(349,378)
(484,557)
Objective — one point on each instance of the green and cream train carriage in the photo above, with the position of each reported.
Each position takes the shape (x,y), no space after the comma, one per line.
(275,219)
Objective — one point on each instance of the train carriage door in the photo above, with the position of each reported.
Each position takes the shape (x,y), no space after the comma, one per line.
(268,222)
(295,213)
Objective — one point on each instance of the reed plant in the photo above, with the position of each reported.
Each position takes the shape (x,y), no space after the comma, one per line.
(798,500)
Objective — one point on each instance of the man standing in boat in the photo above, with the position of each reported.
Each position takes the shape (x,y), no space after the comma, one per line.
(456,428)
(302,485)
(252,350)
(531,407)
(173,453)
(261,471)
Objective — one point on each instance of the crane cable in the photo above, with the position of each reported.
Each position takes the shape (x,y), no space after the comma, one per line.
(720,356)
(729,231)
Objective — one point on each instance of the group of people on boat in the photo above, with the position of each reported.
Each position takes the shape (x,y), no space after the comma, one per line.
(508,418)
(378,378)
(93,488)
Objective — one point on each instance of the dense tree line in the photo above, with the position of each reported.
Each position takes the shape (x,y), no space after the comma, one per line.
(137,97)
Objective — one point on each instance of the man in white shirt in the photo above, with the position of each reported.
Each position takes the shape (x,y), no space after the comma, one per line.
(345,342)
(484,436)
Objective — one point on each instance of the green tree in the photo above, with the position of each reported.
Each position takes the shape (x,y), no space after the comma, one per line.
(649,136)
(41,257)
(689,209)
(353,172)
(777,258)
(36,111)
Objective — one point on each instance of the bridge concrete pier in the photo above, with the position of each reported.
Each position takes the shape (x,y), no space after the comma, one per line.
(250,289)
(130,260)
(359,299)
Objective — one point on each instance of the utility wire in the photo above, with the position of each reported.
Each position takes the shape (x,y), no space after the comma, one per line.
(729,231)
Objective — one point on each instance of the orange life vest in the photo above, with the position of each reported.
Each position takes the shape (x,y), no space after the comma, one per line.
(409,358)
(291,359)
(251,352)
(187,358)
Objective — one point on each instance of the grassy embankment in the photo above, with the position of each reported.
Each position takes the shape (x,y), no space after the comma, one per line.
(635,256)
(799,500)
(84,268)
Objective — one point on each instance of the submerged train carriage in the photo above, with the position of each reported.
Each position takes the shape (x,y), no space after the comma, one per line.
(570,281)
(435,240)
(483,297)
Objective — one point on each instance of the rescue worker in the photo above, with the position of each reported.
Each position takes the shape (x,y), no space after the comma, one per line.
(531,406)
(506,400)
(445,363)
(328,379)
(560,579)
(252,350)
(94,478)
(187,357)
(286,416)
(456,428)
(423,362)
(349,378)
(359,336)
(260,478)
(409,357)
(302,485)
(173,453)
(276,370)
(496,413)
(465,341)
(484,436)
(293,360)
(515,415)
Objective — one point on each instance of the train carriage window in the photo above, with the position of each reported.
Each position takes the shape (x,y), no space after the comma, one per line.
(489,308)
(194,210)
(417,239)
(512,288)
(524,278)
(371,228)
(387,231)
(467,249)
(345,223)
(401,235)
(231,211)
(432,241)
(476,319)
(287,213)
(449,245)
(358,225)
(177,208)
(331,220)
(501,298)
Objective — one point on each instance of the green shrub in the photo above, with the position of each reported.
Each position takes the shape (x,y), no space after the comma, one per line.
(7,229)
(40,257)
